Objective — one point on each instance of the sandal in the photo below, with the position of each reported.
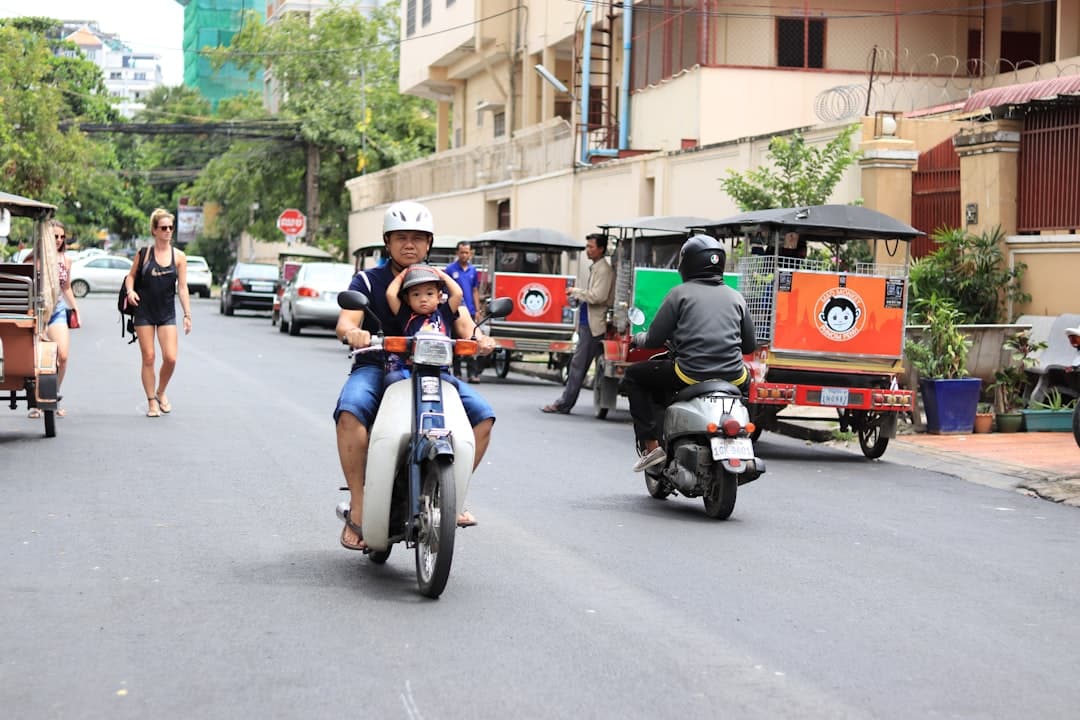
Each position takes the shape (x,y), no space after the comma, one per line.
(165,405)
(61,412)
(150,410)
(553,408)
(34,414)
(466,519)
(350,525)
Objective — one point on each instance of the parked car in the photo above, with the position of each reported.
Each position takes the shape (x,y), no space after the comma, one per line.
(199,278)
(249,286)
(98,273)
(310,298)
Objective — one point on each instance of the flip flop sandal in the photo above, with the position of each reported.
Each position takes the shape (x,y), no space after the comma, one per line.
(34,414)
(350,525)
(150,412)
(466,519)
(166,406)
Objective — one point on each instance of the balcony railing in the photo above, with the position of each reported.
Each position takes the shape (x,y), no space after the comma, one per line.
(531,152)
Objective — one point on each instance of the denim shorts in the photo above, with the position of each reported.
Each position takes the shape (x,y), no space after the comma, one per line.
(59,313)
(363,390)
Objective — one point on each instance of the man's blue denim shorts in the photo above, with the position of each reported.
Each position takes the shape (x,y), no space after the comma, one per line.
(364,388)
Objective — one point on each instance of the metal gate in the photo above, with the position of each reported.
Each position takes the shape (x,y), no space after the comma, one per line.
(1049,170)
(935,195)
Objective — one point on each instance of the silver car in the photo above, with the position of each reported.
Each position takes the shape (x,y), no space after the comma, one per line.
(199,279)
(98,273)
(310,298)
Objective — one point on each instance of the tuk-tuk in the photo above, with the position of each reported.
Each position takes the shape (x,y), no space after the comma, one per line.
(289,261)
(443,252)
(528,265)
(829,337)
(28,294)
(644,253)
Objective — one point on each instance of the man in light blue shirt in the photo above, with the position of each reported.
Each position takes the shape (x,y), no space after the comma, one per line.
(464,275)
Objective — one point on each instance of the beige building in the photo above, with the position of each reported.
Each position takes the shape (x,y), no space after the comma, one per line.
(680,93)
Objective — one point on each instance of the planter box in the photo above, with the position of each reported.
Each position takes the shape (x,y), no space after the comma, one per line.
(950,404)
(1048,420)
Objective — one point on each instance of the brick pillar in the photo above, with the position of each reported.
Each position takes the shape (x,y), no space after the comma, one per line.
(886,165)
(989,156)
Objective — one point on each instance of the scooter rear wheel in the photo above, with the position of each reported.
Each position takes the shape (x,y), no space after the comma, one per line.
(720,496)
(438,521)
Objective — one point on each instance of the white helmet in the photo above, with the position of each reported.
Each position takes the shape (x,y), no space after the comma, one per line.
(408,215)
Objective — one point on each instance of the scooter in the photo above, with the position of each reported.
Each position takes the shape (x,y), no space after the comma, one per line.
(707,435)
(420,453)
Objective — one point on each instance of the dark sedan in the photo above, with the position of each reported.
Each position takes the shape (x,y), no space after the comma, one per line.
(249,286)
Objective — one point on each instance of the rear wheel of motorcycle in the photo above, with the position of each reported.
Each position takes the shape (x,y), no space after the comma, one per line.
(720,497)
(656,485)
(438,521)
(871,440)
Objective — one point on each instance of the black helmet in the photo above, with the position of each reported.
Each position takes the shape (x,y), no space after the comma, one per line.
(701,256)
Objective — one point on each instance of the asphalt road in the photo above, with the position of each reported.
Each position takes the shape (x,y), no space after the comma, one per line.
(188,567)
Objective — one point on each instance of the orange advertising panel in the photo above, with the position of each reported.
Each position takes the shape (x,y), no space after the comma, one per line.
(537,298)
(839,314)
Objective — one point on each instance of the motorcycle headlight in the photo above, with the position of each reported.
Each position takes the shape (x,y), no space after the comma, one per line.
(438,350)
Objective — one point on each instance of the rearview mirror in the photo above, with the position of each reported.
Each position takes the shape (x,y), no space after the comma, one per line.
(499,307)
(636,316)
(352,300)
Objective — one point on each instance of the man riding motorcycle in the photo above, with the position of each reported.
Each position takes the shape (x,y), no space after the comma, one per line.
(708,327)
(408,230)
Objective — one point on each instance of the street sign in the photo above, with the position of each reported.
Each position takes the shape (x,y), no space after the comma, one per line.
(292,222)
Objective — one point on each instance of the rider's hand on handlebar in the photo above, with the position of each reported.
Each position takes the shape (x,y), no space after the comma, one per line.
(357,338)
(485,345)
(638,339)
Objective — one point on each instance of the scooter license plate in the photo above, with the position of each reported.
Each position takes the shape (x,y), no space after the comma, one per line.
(837,397)
(727,448)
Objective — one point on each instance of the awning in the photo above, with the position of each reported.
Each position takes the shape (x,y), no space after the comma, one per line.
(1024,93)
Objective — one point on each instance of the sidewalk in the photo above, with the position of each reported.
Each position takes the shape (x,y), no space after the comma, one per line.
(1045,464)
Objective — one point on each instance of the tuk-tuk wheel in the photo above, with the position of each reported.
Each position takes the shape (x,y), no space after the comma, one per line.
(500,361)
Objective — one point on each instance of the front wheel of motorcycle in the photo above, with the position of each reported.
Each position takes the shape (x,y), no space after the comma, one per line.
(438,521)
(720,495)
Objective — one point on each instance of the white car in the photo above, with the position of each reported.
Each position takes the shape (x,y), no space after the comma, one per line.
(199,278)
(98,273)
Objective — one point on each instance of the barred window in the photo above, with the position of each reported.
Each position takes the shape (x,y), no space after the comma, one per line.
(800,42)
(410,17)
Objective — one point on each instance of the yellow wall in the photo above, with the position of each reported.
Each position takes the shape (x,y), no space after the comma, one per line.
(1053,265)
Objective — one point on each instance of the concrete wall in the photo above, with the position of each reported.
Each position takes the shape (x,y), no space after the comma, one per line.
(1053,267)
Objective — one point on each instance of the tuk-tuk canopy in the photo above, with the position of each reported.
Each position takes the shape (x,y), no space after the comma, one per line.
(441,242)
(305,251)
(822,222)
(20,206)
(653,225)
(532,236)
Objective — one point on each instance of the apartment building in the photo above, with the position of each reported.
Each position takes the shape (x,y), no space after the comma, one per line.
(568,114)
(129,76)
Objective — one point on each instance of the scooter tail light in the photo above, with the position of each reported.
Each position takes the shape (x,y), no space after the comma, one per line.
(396,344)
(732,427)
(466,347)
(711,428)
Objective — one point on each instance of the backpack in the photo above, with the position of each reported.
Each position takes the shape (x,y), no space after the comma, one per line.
(127,310)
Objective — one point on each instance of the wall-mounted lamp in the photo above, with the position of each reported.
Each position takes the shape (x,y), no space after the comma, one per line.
(551,79)
(886,123)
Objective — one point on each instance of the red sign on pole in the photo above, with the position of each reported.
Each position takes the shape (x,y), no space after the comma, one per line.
(292,222)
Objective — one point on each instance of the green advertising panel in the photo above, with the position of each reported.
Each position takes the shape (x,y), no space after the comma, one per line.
(651,286)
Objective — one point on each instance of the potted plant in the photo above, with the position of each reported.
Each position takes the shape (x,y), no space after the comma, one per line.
(1011,381)
(984,417)
(1053,413)
(949,395)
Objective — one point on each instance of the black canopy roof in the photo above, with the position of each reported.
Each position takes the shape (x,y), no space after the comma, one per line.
(533,236)
(841,222)
(20,206)
(658,224)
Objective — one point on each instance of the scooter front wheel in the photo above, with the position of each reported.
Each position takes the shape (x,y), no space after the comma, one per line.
(438,521)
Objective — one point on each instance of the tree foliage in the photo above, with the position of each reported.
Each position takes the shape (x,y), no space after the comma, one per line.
(800,174)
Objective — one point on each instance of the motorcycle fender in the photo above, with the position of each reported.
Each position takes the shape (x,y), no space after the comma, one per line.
(888,425)
(735,469)
(464,443)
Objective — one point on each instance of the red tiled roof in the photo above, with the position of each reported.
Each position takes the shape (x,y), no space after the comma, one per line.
(1023,93)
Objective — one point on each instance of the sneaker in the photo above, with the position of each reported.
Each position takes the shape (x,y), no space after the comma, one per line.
(656,457)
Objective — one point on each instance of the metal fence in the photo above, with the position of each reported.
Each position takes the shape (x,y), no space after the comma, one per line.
(1048,176)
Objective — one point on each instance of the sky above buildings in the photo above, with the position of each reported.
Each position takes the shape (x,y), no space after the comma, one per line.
(155,26)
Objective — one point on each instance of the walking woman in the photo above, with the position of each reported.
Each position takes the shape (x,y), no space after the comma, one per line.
(152,287)
(57,328)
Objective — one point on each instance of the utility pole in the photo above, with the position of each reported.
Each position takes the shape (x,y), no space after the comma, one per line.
(311,192)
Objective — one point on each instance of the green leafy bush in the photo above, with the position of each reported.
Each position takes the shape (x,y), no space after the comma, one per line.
(942,354)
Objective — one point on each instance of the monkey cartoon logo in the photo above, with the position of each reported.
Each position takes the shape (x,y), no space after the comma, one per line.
(840,314)
(534,299)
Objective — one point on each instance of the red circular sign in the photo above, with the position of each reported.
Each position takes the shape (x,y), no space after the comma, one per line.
(291,222)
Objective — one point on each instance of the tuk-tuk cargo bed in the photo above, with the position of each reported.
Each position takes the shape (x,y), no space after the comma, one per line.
(835,363)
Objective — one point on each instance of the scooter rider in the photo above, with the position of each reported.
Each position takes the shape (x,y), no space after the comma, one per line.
(408,230)
(709,329)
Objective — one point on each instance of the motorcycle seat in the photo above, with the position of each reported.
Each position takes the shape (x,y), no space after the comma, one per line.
(707,387)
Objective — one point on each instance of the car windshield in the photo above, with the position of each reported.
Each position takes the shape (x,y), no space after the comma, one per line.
(255,270)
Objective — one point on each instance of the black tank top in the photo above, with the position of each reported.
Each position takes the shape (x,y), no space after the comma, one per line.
(157,292)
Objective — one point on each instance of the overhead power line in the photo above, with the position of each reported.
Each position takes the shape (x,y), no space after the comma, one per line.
(249,130)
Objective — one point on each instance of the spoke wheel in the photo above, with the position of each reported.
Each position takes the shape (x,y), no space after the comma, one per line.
(438,521)
(720,496)
(871,440)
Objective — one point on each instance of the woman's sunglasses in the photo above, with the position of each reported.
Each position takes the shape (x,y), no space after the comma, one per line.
(165,227)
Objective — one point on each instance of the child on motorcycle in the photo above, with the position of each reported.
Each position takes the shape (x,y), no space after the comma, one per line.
(414,297)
